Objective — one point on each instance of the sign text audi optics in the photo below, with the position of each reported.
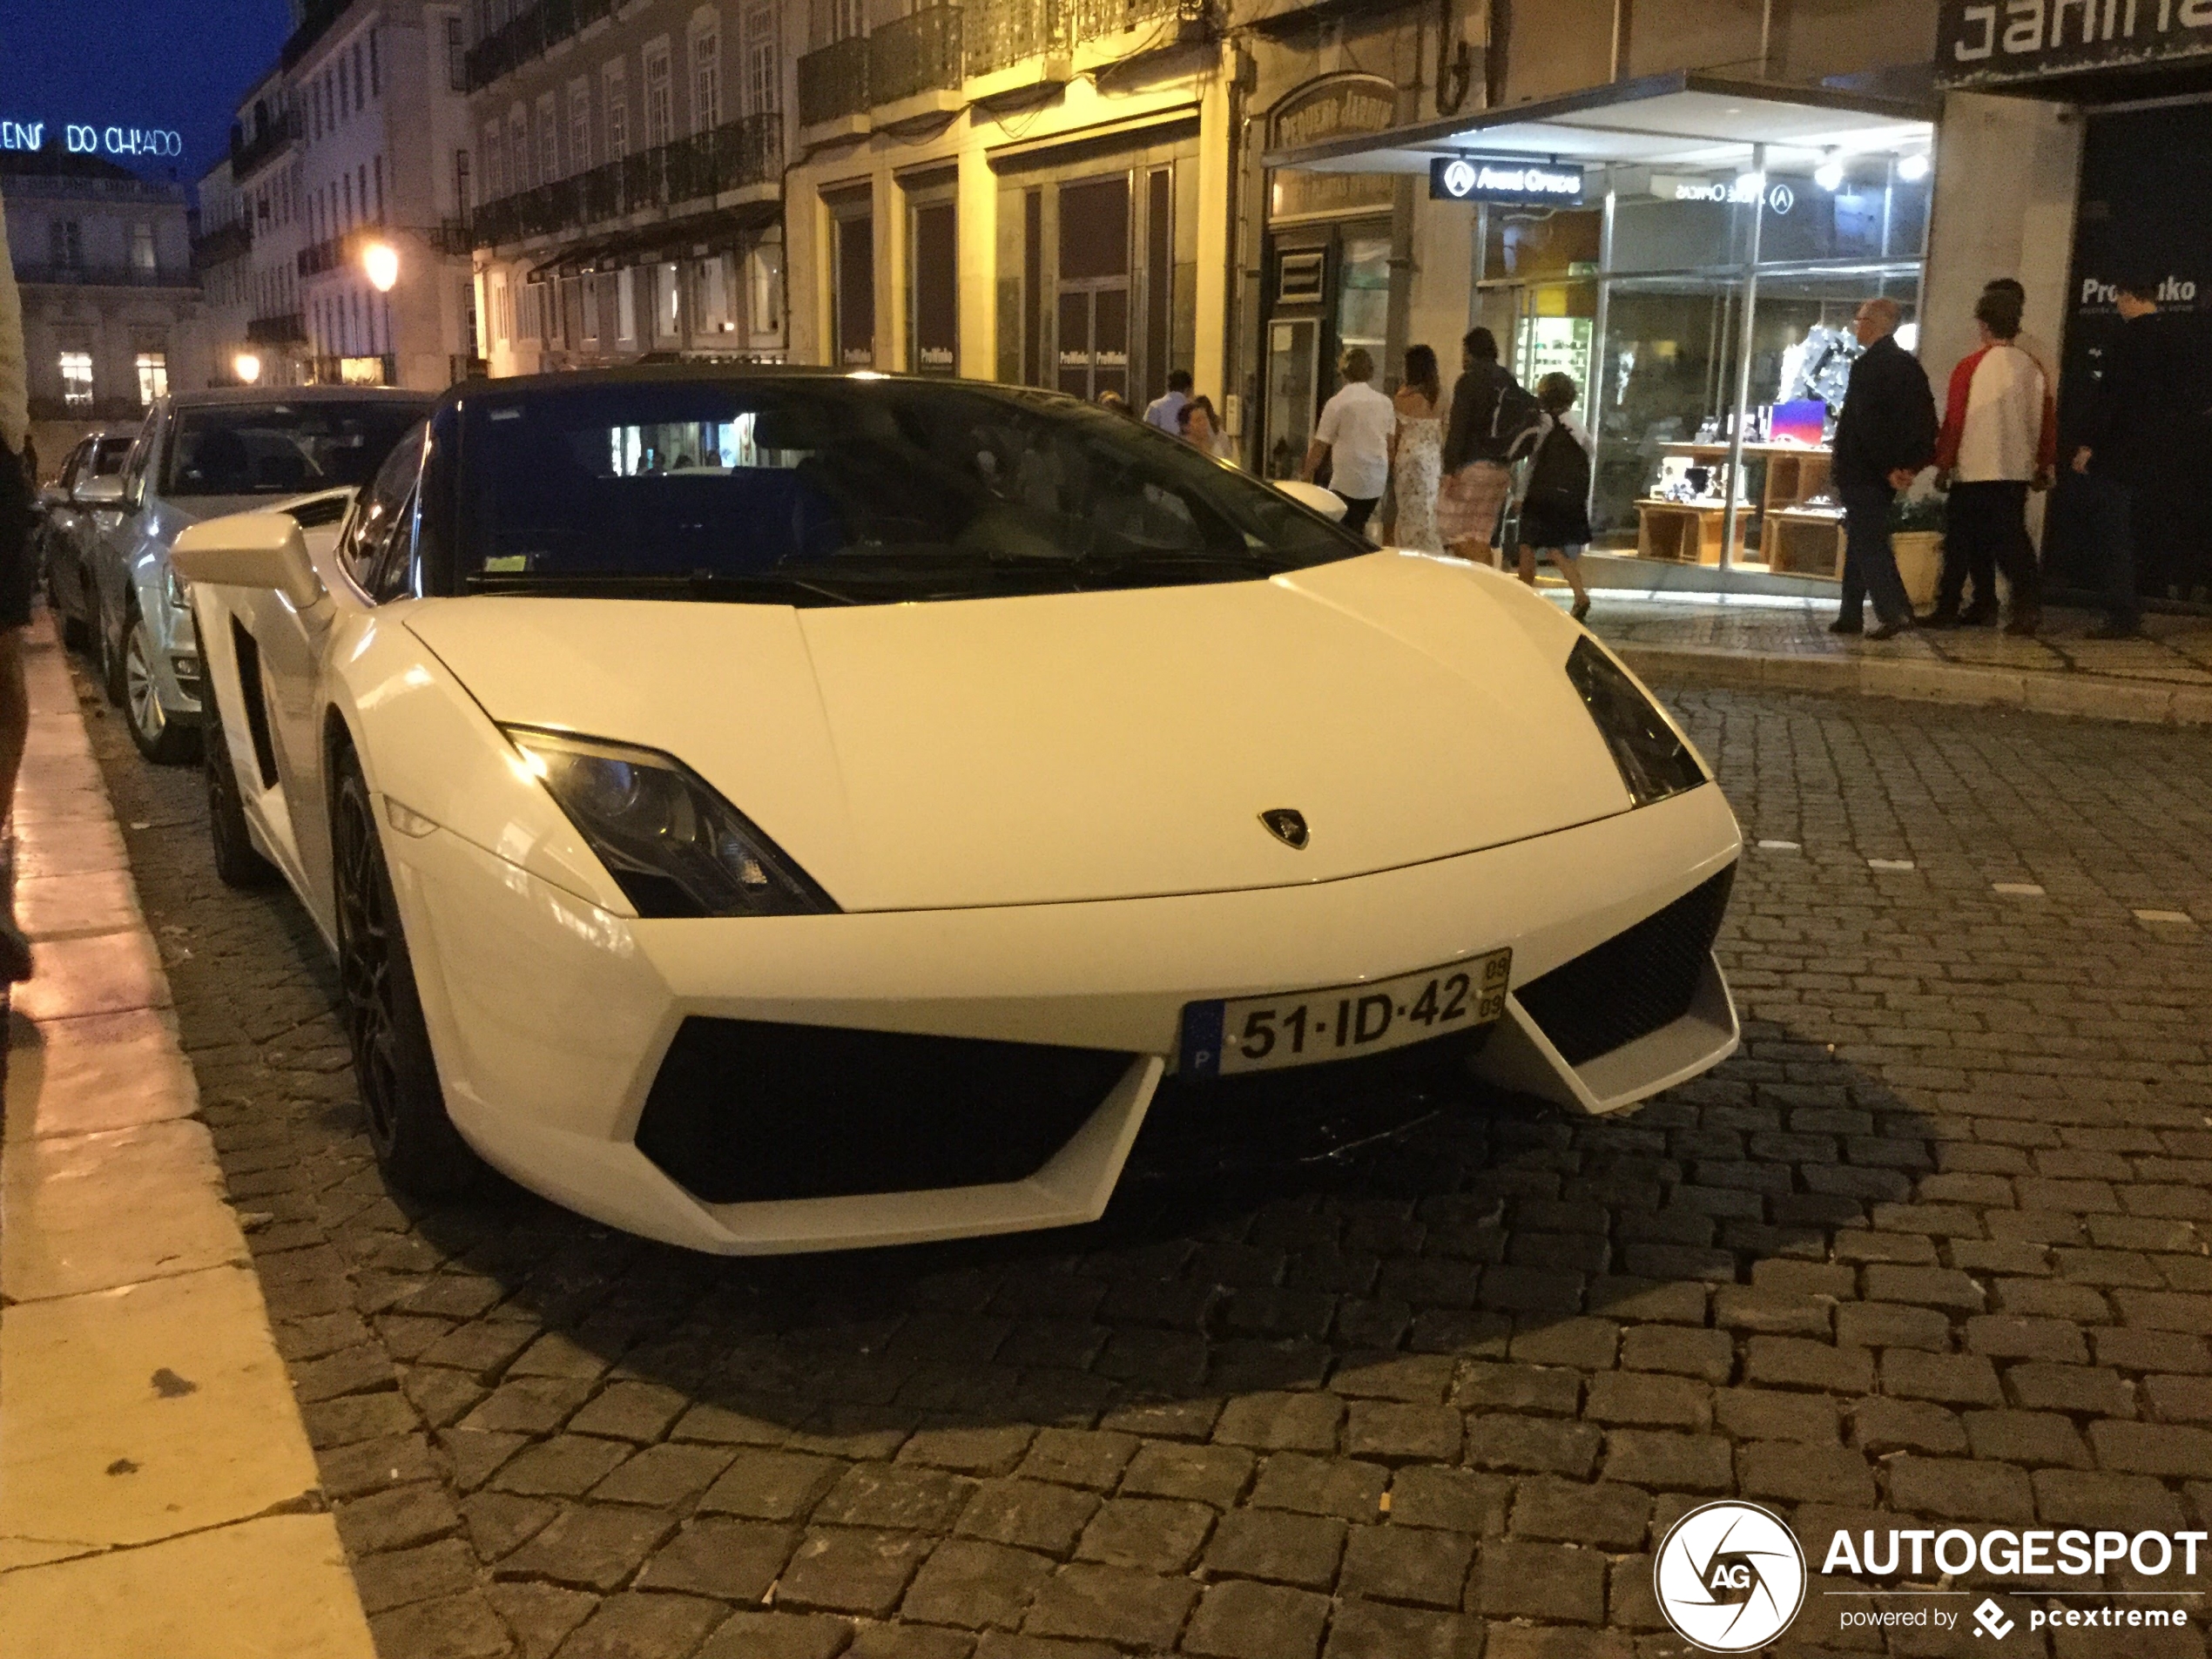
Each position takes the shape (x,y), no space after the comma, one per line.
(1474,179)
(89,141)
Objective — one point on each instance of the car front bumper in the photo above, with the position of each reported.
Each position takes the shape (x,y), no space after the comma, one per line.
(551,1018)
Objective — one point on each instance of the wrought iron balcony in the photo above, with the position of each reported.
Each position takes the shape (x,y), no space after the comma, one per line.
(289,329)
(103,276)
(914,54)
(998,34)
(1097,17)
(229,241)
(834,82)
(527,36)
(249,150)
(749,150)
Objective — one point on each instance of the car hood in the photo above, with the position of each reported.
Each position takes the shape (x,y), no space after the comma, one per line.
(1079,746)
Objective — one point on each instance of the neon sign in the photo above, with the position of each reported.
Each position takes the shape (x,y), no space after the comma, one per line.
(89,140)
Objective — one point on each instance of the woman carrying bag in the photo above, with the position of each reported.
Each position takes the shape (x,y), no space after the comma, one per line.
(1555,500)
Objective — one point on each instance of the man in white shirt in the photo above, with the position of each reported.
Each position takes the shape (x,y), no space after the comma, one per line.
(1162,411)
(1354,434)
(2000,438)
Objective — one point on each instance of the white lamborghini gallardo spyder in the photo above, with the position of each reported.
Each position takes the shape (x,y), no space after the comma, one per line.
(773,810)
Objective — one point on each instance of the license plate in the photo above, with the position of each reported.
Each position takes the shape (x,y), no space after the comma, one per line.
(1226,1039)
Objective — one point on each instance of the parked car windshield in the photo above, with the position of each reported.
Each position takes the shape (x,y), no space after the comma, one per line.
(832,491)
(107,457)
(282,448)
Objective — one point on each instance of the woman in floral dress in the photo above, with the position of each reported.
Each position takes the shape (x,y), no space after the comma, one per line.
(1417,454)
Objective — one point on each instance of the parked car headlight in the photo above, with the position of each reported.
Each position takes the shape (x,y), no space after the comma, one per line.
(1655,762)
(673,846)
(175,587)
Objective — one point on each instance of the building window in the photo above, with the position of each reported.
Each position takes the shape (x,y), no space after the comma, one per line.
(549,141)
(153,376)
(764,268)
(763,69)
(660,103)
(625,305)
(380,189)
(706,73)
(359,82)
(668,302)
(76,379)
(615,93)
(502,325)
(518,148)
(65,243)
(852,286)
(580,124)
(495,162)
(142,257)
(375,75)
(457,56)
(461,202)
(470,341)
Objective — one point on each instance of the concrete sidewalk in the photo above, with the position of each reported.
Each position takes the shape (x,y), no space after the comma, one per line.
(1760,641)
(158,1496)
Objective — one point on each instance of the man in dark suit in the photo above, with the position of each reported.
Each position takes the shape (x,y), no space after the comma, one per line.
(1885,437)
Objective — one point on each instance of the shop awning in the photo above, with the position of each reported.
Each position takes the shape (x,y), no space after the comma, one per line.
(1685,118)
(694,238)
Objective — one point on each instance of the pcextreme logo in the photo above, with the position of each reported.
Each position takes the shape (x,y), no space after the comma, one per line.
(1729,1577)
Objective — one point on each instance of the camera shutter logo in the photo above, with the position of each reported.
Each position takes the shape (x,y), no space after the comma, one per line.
(1729,1577)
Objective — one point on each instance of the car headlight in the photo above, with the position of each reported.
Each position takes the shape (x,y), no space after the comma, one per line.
(674,846)
(1655,762)
(175,587)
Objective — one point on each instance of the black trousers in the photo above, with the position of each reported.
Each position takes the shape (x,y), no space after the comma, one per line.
(1356,511)
(1985,531)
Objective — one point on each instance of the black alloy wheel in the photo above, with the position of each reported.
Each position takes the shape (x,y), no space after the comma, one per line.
(414,1141)
(237,862)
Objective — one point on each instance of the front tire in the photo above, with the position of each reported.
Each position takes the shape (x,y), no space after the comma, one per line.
(158,737)
(237,863)
(414,1141)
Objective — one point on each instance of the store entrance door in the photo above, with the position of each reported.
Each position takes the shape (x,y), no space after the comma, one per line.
(1328,290)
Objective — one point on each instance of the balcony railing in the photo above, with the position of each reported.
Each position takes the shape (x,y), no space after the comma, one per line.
(998,34)
(289,329)
(249,151)
(529,35)
(914,54)
(834,82)
(326,255)
(1097,17)
(230,241)
(105,276)
(749,150)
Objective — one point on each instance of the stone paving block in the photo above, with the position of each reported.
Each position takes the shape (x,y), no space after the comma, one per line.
(1708,1355)
(633,1625)
(1111,1604)
(1546,1390)
(1277,1546)
(975,1585)
(2127,1503)
(735,1560)
(1790,1362)
(1153,1535)
(2031,1439)
(1608,1515)
(1316,1486)
(1373,1630)
(2152,1448)
(1680,1462)
(1952,1378)
(1514,1579)
(1455,1500)
(1031,1514)
(1773,1414)
(1533,1443)
(1207,1474)
(1961,1489)
(1403,1563)
(1237,1619)
(771,1486)
(851,1570)
(1775,1469)
(1880,1426)
(777,1635)
(1078,1456)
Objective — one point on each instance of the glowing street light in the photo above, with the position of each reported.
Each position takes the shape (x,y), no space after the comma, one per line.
(381,261)
(247,367)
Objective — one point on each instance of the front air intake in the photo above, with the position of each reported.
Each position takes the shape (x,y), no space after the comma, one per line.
(1635,983)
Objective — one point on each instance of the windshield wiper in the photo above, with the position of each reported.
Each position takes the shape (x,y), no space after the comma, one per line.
(761,587)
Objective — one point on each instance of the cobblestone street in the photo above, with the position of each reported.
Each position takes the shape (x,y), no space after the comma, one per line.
(1934,1245)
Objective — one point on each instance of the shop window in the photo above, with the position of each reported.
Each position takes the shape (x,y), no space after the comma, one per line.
(712,296)
(153,376)
(76,379)
(933,338)
(853,289)
(668,302)
(764,265)
(1091,348)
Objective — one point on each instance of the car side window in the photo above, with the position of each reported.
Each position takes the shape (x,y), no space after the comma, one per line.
(134,470)
(73,468)
(378,539)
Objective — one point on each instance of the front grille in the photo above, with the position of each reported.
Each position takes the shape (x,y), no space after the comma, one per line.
(1633,983)
(744,1110)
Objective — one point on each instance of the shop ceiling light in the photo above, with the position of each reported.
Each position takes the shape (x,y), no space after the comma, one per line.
(1830,175)
(1913,168)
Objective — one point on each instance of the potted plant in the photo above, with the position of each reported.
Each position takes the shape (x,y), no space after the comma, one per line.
(1916,534)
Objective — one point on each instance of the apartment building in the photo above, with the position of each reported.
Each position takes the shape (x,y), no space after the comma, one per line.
(629,165)
(103,260)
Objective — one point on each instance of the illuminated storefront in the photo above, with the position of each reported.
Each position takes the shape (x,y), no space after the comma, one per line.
(1692,250)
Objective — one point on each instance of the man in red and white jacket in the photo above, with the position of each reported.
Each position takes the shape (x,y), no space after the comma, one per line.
(2001,438)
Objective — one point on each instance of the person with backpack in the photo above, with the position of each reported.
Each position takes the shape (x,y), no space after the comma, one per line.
(1555,502)
(1491,413)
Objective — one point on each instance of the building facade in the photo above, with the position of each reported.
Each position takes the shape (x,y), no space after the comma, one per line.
(104,259)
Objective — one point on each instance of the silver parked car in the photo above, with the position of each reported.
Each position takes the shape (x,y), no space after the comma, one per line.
(85,497)
(202,454)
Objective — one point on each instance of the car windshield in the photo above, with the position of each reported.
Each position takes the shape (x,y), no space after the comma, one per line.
(107,457)
(282,448)
(833,490)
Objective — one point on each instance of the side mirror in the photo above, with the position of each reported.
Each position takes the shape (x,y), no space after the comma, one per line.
(104,491)
(249,551)
(1326,502)
(52,496)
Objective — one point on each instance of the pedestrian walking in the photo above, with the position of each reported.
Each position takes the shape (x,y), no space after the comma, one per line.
(1354,434)
(1491,411)
(2029,341)
(2141,453)
(2000,439)
(16,518)
(1113,402)
(1417,454)
(1162,410)
(1885,435)
(1555,500)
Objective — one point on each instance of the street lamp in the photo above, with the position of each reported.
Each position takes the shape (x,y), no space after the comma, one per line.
(381,261)
(247,367)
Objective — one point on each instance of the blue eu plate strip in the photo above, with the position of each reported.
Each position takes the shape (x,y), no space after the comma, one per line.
(1202,1039)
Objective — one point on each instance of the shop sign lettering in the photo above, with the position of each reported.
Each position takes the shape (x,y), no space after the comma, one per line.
(1464,178)
(80,140)
(2172,291)
(1982,42)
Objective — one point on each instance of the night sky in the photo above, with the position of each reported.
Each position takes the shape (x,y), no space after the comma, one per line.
(176,64)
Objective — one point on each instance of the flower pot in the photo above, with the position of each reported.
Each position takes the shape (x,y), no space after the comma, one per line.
(1920,561)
